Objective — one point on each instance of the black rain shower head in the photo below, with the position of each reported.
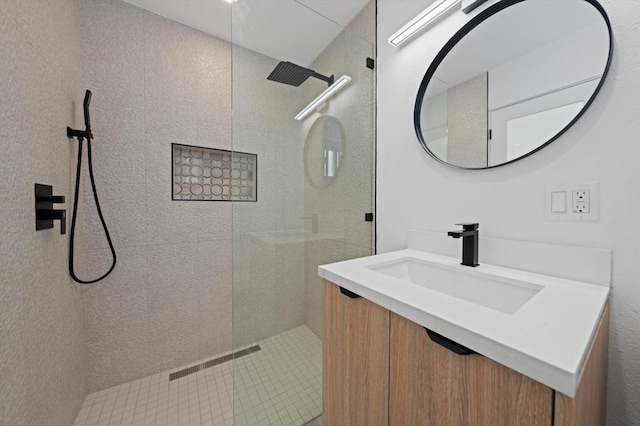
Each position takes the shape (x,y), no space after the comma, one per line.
(294,75)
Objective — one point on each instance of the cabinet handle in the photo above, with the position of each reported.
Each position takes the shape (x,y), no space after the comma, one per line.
(449,344)
(349,294)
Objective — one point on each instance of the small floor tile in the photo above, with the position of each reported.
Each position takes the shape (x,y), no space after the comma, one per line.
(277,385)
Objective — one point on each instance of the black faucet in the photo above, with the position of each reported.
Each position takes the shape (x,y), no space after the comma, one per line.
(469,236)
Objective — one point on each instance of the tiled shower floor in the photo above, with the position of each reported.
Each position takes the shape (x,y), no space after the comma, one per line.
(278,385)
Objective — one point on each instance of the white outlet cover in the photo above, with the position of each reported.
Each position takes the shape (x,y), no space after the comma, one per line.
(581,201)
(593,215)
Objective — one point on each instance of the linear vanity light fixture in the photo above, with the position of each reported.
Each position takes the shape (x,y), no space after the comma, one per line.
(436,10)
(331,90)
(469,6)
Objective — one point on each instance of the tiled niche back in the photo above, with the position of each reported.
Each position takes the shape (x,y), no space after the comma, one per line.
(206,174)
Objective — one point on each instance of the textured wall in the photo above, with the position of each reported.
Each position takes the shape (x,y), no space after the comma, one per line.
(341,205)
(275,284)
(415,192)
(268,256)
(43,362)
(168,303)
(467,123)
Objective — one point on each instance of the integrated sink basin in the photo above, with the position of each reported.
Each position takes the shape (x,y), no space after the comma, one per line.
(498,293)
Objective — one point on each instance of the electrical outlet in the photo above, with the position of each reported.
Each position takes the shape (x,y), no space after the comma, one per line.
(581,201)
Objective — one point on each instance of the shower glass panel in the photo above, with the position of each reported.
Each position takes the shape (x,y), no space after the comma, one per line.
(314,185)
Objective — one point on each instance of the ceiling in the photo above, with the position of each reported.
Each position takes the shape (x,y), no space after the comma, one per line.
(292,30)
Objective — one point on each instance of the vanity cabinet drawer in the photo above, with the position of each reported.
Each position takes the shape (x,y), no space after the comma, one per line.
(431,385)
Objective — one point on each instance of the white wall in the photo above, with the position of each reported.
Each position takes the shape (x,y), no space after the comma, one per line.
(416,192)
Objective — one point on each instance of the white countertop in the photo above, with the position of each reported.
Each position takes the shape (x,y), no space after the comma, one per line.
(547,339)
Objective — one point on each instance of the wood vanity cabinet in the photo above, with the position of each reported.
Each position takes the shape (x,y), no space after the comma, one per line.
(355,353)
(382,369)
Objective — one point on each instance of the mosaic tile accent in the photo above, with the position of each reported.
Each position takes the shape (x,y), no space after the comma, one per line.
(207,174)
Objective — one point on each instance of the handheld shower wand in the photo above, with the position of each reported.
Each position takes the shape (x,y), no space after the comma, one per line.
(82,135)
(85,107)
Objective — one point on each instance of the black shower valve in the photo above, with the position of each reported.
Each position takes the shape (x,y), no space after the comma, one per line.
(50,216)
(55,199)
(45,213)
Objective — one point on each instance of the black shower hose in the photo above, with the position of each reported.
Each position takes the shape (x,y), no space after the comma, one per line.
(75,213)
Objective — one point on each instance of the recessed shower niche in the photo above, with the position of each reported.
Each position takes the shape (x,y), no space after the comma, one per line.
(208,174)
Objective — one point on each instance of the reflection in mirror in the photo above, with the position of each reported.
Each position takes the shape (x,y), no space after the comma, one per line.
(512,80)
(323,151)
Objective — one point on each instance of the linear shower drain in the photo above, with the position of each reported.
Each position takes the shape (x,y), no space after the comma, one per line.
(213,362)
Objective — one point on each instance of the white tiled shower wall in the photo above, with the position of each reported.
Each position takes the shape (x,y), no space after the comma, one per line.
(168,303)
(267,273)
(43,360)
(157,82)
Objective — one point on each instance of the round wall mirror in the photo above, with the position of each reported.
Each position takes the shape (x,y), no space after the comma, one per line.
(323,151)
(512,80)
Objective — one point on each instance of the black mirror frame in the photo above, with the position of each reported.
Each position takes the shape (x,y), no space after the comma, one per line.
(459,35)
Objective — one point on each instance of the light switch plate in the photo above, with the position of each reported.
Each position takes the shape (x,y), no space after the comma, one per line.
(559,202)
(572,202)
